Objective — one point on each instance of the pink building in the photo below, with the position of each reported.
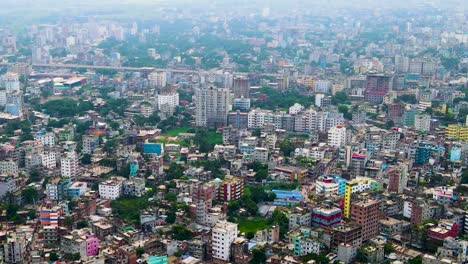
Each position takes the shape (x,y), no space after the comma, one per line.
(92,246)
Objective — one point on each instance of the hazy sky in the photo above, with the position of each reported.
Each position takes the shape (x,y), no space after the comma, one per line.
(28,11)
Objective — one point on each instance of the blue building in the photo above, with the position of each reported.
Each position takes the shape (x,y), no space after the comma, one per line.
(285,198)
(157,260)
(423,153)
(133,168)
(153,148)
(455,154)
(341,184)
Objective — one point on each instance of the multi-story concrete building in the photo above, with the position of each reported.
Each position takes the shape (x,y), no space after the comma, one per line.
(231,188)
(222,236)
(57,189)
(367,213)
(422,122)
(10,81)
(377,85)
(14,248)
(14,103)
(8,184)
(168,101)
(134,187)
(241,87)
(242,104)
(457,132)
(212,106)
(397,179)
(260,155)
(337,136)
(8,167)
(69,165)
(46,138)
(49,215)
(326,216)
(238,120)
(73,244)
(305,241)
(157,79)
(90,143)
(112,188)
(299,217)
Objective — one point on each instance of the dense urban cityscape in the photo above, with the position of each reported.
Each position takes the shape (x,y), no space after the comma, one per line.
(228,131)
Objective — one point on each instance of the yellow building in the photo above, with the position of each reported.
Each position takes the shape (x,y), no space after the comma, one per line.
(457,132)
(307,81)
(354,186)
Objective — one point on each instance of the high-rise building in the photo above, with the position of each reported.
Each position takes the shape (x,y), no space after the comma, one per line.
(326,216)
(157,79)
(397,179)
(168,101)
(14,249)
(11,82)
(22,69)
(401,64)
(14,103)
(337,136)
(46,138)
(222,236)
(112,188)
(69,165)
(457,132)
(354,186)
(49,215)
(377,85)
(212,106)
(231,188)
(241,87)
(367,214)
(422,122)
(90,143)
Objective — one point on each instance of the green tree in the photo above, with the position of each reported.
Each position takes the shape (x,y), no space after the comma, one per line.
(340,97)
(30,195)
(389,248)
(180,232)
(232,208)
(287,147)
(389,124)
(170,196)
(82,224)
(171,217)
(110,145)
(53,256)
(86,159)
(416,260)
(140,251)
(258,256)
(34,176)
(261,175)
(175,171)
(280,218)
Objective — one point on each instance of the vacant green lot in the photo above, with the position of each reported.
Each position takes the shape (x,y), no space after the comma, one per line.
(252,224)
(214,138)
(175,131)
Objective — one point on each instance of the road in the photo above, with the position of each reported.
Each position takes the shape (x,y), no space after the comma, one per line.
(94,67)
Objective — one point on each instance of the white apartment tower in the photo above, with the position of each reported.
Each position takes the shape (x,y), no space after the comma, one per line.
(157,79)
(212,106)
(168,100)
(69,165)
(11,82)
(223,234)
(337,136)
(422,122)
